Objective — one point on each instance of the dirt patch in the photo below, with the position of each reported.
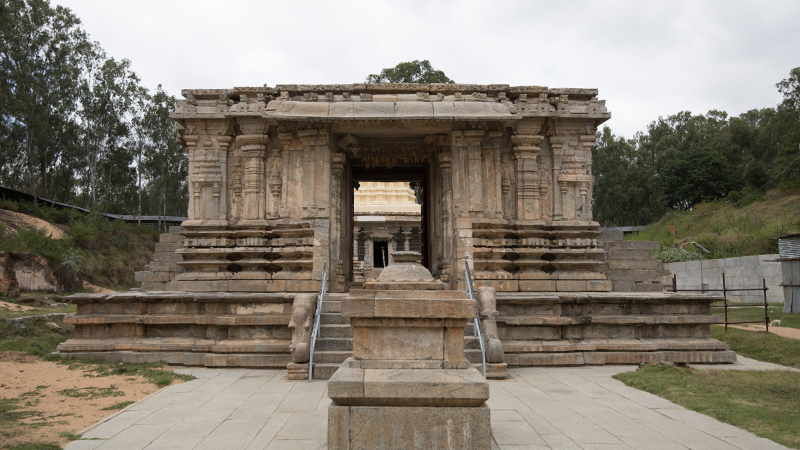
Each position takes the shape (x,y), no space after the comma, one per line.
(17,220)
(792,333)
(8,306)
(56,399)
(96,289)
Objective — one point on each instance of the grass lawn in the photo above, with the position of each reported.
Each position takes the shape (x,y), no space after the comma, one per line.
(764,403)
(757,313)
(760,345)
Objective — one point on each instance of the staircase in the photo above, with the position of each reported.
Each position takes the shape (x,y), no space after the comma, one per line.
(335,341)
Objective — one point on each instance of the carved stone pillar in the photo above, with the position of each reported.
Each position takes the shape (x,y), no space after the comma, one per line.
(253,181)
(406,232)
(559,189)
(337,169)
(286,141)
(586,144)
(309,139)
(368,259)
(525,151)
(496,137)
(472,140)
(355,243)
(445,163)
(275,181)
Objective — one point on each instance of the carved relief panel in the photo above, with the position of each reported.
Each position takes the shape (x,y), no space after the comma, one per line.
(207,145)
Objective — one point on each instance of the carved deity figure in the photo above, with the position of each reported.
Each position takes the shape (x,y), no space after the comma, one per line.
(301,322)
(487,304)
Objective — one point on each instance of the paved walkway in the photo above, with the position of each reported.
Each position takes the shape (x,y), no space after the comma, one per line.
(557,408)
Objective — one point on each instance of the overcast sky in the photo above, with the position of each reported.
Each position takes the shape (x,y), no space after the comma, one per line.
(647,58)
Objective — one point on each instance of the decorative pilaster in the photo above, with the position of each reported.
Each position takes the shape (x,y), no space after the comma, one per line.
(253,183)
(496,139)
(559,189)
(275,182)
(286,141)
(525,150)
(309,140)
(472,141)
(208,143)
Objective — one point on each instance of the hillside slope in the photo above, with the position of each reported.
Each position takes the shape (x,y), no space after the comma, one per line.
(748,228)
(78,247)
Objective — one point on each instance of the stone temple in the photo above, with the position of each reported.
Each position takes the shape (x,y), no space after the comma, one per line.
(504,175)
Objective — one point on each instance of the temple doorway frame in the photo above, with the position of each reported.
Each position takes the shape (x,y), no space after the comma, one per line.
(357,172)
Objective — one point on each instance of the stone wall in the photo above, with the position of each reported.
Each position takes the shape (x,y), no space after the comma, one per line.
(629,264)
(742,272)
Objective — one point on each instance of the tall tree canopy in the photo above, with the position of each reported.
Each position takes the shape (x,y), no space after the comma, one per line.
(686,159)
(410,72)
(76,125)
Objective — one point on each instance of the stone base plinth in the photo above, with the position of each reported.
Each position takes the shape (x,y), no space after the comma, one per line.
(395,427)
(496,371)
(297,371)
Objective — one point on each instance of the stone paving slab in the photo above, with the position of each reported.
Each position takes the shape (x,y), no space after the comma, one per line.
(538,408)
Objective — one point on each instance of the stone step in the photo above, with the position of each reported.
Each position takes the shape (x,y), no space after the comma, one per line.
(471,342)
(333,318)
(331,330)
(473,356)
(329,306)
(324,371)
(178,319)
(335,344)
(330,356)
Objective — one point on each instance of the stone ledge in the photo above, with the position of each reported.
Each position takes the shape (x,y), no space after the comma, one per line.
(187,359)
(176,319)
(192,345)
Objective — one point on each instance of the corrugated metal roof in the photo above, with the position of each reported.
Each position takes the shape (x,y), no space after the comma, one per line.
(789,246)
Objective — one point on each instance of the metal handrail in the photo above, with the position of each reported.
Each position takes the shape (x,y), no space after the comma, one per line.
(478,329)
(315,330)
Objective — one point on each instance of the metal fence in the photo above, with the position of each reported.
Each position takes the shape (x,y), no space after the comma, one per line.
(725,305)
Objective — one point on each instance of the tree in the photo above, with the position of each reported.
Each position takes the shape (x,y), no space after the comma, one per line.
(699,174)
(42,51)
(164,161)
(624,191)
(410,72)
(108,94)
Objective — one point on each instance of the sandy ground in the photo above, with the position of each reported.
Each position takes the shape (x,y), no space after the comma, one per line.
(793,333)
(17,220)
(14,307)
(41,385)
(96,289)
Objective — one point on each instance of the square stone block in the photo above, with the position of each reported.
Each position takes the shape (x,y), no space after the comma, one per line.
(393,427)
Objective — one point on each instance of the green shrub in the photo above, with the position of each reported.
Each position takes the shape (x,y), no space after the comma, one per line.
(9,205)
(675,254)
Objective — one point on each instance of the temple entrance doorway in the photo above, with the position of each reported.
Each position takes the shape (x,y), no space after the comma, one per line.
(388,213)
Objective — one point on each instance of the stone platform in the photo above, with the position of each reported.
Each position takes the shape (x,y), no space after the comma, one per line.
(188,328)
(608,328)
(251,330)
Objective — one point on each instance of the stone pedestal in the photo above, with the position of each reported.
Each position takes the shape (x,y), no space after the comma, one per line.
(408,384)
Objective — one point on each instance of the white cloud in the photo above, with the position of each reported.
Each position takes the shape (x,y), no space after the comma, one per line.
(647,58)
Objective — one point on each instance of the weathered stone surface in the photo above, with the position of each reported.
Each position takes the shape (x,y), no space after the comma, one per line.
(408,427)
(25,272)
